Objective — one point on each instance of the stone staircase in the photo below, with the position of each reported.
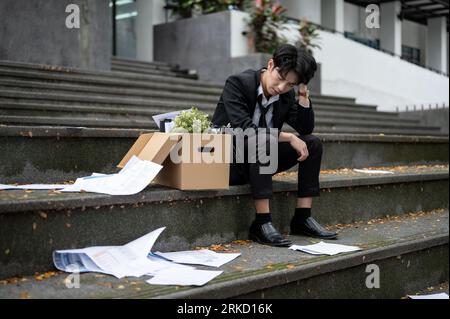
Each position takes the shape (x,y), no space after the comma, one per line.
(57,124)
(125,98)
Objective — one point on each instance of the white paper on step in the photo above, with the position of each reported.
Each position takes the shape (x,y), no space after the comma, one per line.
(164,265)
(323,248)
(199,257)
(192,277)
(442,295)
(119,261)
(133,178)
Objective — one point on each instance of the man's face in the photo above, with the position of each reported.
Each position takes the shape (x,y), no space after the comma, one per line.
(275,83)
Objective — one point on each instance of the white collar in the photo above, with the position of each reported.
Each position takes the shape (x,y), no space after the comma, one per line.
(271,100)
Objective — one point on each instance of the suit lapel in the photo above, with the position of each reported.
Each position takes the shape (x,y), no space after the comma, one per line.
(254,91)
(275,114)
(282,107)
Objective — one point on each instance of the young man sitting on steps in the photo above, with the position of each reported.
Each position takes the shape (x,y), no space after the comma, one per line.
(265,100)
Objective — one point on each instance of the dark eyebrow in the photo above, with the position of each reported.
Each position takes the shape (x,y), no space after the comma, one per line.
(283,78)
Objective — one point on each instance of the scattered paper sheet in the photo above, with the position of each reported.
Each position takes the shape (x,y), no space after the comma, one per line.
(33,186)
(323,248)
(4,186)
(119,261)
(192,277)
(164,265)
(442,295)
(372,171)
(199,257)
(132,179)
(42,186)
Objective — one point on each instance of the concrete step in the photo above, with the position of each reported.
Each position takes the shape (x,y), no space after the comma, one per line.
(105,90)
(386,117)
(33,224)
(29,105)
(136,63)
(377,130)
(125,62)
(10,82)
(150,71)
(400,248)
(44,72)
(78,121)
(93,99)
(50,154)
(147,71)
(15,100)
(48,71)
(143,122)
(117,59)
(171,93)
(9,106)
(375,123)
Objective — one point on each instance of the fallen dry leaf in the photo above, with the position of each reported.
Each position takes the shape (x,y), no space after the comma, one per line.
(24,295)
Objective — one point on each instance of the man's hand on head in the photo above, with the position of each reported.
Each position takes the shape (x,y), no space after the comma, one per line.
(303,95)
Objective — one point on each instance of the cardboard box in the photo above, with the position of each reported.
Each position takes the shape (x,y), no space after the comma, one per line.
(203,162)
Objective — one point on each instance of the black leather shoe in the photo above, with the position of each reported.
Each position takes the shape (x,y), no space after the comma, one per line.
(310,227)
(267,234)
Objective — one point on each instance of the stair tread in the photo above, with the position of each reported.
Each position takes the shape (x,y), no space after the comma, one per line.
(70,131)
(15,201)
(322,116)
(253,270)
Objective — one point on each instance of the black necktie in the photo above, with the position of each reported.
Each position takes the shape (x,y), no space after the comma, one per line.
(262,119)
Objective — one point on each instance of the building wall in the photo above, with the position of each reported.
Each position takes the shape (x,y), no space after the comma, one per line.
(414,35)
(373,77)
(35,31)
(202,43)
(355,22)
(126,30)
(351,18)
(303,9)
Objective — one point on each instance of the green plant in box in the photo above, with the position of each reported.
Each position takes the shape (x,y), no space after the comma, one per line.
(191,121)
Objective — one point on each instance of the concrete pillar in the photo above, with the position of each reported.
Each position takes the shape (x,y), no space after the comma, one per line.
(303,9)
(333,15)
(391,27)
(37,32)
(150,12)
(436,50)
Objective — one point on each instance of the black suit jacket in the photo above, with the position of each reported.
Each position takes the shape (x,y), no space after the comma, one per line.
(238,101)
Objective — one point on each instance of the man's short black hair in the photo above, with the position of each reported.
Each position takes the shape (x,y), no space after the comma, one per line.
(290,58)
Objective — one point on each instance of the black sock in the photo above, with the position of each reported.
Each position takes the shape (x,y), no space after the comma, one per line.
(263,218)
(302,213)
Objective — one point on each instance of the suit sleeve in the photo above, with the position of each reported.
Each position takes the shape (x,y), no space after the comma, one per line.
(301,118)
(235,104)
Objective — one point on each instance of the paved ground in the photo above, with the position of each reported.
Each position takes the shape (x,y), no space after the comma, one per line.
(431,290)
(255,259)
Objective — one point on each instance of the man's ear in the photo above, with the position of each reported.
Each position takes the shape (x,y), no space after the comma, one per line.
(270,65)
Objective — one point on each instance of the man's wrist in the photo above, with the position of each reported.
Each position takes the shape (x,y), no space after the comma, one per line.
(291,137)
(303,102)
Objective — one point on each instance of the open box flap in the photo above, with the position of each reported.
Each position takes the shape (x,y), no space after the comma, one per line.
(154,147)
